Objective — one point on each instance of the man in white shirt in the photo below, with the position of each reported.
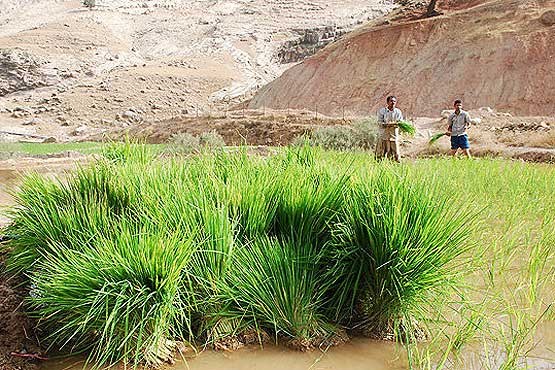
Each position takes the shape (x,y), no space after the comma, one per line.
(388,142)
(458,122)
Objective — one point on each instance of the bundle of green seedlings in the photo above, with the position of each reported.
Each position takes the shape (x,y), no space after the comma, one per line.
(128,257)
(407,128)
(436,137)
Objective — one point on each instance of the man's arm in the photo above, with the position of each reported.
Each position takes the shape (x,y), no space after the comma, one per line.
(381,116)
(450,124)
(467,120)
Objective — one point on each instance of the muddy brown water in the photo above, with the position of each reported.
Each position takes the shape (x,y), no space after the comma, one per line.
(359,354)
(7,178)
(12,171)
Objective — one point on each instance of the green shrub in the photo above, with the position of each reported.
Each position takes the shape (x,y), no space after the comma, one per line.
(89,3)
(184,143)
(361,135)
(365,133)
(334,137)
(211,140)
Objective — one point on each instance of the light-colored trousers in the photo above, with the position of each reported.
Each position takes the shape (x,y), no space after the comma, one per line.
(388,148)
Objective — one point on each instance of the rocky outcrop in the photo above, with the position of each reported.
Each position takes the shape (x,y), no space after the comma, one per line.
(492,52)
(308,43)
(19,71)
(548,18)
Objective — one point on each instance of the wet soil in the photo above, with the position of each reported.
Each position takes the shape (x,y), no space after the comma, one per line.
(16,334)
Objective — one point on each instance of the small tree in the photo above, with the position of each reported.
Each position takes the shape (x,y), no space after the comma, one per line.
(89,3)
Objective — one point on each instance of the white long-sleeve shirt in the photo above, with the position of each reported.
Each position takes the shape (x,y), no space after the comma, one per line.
(389,116)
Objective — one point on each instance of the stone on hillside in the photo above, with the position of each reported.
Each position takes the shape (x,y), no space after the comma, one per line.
(548,18)
(50,139)
(79,130)
(32,122)
(129,114)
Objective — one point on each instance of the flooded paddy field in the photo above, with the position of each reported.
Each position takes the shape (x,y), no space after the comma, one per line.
(499,317)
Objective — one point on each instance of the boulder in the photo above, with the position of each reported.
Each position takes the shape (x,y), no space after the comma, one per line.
(50,139)
(548,18)
(33,121)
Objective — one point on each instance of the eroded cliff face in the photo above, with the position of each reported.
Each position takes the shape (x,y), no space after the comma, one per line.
(490,53)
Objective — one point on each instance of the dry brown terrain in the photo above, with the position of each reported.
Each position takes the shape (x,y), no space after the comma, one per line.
(494,133)
(496,53)
(66,72)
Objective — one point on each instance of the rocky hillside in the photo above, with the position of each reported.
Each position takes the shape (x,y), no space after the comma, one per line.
(495,53)
(63,66)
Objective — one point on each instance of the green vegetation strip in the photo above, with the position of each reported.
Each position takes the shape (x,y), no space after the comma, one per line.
(81,147)
(51,148)
(131,255)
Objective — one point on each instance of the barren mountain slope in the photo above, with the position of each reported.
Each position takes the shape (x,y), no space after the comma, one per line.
(490,53)
(128,61)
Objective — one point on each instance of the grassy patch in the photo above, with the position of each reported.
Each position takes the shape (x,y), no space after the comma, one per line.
(51,148)
(55,148)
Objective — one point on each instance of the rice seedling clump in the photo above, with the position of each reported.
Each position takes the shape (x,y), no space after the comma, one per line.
(407,128)
(126,257)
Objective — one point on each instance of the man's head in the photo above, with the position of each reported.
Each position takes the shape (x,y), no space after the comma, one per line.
(458,105)
(391,101)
